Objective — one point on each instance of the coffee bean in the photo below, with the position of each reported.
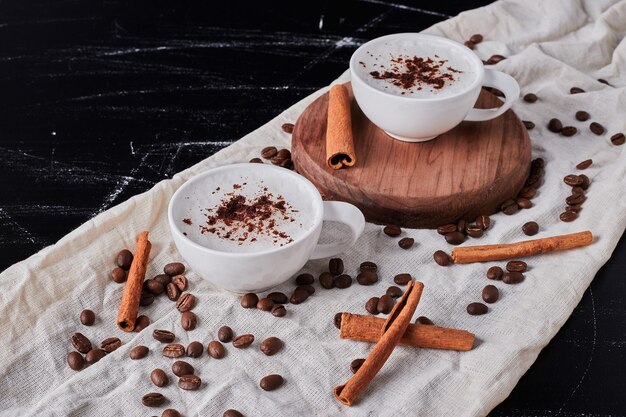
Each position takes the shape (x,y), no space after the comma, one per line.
(146,299)
(596,128)
(337,320)
(159,377)
(509,207)
(569,131)
(308,288)
(356,364)
(512,277)
(81,343)
(441,258)
(278,297)
(163,336)
(586,181)
(180,281)
(225,334)
(163,279)
(516,266)
(406,243)
(75,361)
(243,341)
(523,202)
(188,320)
(118,275)
(110,344)
(385,304)
(394,292)
(490,294)
(576,90)
(288,127)
(495,273)
(124,259)
(424,321)
(368,266)
(494,59)
(335,266)
(173,293)
(575,199)
(528,124)
(469,44)
(271,346)
(153,399)
(195,349)
(537,163)
(572,180)
(575,208)
(447,228)
(170,412)
(87,317)
(279,310)
(585,164)
(568,216)
(618,139)
(186,302)
(555,125)
(402,279)
(528,192)
(371,306)
(455,238)
(530,228)
(232,413)
(392,230)
(582,116)
(343,281)
(474,230)
(326,280)
(94,355)
(284,154)
(256,161)
(477,309)
(174,268)
(189,382)
(477,38)
(154,287)
(265,304)
(141,323)
(299,296)
(249,300)
(139,352)
(269,152)
(367,278)
(530,98)
(484,222)
(305,279)
(180,368)
(216,349)
(173,350)
(271,382)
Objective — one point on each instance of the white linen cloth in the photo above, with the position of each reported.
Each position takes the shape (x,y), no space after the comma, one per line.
(550,47)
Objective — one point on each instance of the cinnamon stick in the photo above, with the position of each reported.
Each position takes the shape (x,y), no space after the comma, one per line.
(391,333)
(368,329)
(129,306)
(499,252)
(339,141)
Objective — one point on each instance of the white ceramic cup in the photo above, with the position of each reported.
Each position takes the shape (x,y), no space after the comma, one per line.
(418,119)
(256,271)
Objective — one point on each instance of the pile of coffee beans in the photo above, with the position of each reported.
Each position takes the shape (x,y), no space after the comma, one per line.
(385,303)
(278,157)
(392,230)
(491,293)
(579,184)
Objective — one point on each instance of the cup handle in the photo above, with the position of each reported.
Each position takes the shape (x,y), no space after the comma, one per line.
(347,214)
(503,82)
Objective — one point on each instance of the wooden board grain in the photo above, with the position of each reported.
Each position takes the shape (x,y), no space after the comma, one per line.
(463,173)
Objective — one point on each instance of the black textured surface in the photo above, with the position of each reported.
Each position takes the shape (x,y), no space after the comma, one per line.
(102,99)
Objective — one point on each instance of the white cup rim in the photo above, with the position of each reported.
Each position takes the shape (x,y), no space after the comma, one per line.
(175,199)
(468,52)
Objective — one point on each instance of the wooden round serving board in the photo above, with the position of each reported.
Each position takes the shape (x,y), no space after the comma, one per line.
(463,173)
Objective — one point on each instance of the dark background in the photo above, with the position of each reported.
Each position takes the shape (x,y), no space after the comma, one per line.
(102,99)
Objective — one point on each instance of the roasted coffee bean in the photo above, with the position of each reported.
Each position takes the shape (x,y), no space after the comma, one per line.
(232,413)
(271,346)
(174,268)
(249,300)
(584,164)
(225,334)
(356,364)
(94,355)
(368,266)
(278,297)
(139,352)
(326,280)
(530,98)
(180,281)
(195,349)
(477,38)
(163,279)
(343,281)
(256,161)
(188,320)
(537,163)
(555,125)
(447,228)
(455,238)
(269,152)
(576,90)
(163,336)
(216,349)
(367,278)
(406,243)
(530,228)
(189,382)
(582,116)
(308,288)
(271,382)
(159,377)
(575,209)
(528,124)
(523,202)
(305,279)
(287,127)
(173,293)
(153,399)
(335,266)
(118,275)
(596,128)
(284,154)
(87,317)
(385,304)
(154,287)
(494,59)
(575,199)
(460,225)
(146,299)
(81,343)
(173,350)
(618,139)
(186,302)
(371,306)
(509,207)
(441,258)
(424,321)
(170,412)
(75,361)
(394,292)
(243,341)
(586,181)
(474,230)
(279,310)
(180,368)
(490,294)
(516,266)
(402,279)
(495,273)
(528,192)
(124,259)
(141,323)
(265,304)
(110,344)
(392,230)
(569,131)
(578,190)
(484,222)
(512,277)
(337,320)
(572,180)
(299,296)
(469,44)
(477,309)
(568,216)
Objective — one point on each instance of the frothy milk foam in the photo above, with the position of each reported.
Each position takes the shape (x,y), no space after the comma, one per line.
(378,57)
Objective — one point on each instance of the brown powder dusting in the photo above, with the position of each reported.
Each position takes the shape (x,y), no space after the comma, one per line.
(416,72)
(187,222)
